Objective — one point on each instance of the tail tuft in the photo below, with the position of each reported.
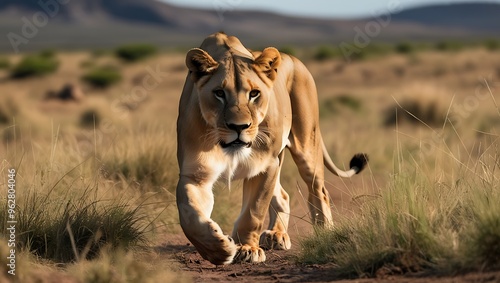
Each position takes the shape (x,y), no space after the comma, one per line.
(358,162)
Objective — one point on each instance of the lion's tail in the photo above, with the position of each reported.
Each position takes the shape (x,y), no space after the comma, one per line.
(357,164)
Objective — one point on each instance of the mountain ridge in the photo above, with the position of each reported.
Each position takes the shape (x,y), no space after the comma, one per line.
(107,23)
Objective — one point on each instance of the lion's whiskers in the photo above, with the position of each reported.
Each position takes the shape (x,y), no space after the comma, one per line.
(263,137)
(210,137)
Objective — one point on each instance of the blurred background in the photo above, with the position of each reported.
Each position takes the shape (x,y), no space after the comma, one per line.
(72,24)
(108,64)
(89,92)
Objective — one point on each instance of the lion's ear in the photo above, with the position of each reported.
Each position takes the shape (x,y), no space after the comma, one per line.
(200,62)
(268,62)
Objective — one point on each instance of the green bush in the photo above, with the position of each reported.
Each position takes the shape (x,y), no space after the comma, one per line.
(449,46)
(35,65)
(353,52)
(377,49)
(90,119)
(96,53)
(334,104)
(102,77)
(416,112)
(288,50)
(326,52)
(135,52)
(47,53)
(404,47)
(492,44)
(4,63)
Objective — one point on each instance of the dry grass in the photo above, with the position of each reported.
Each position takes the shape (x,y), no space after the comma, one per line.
(130,153)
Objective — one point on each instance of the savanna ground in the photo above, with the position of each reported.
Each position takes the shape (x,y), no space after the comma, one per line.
(96,175)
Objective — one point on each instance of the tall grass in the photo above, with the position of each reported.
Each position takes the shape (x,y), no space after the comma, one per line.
(444,220)
(122,266)
(148,163)
(35,65)
(68,214)
(73,225)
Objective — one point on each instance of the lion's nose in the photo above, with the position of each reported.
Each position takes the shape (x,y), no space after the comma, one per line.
(238,128)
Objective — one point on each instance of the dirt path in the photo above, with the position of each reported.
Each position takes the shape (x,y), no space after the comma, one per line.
(280,266)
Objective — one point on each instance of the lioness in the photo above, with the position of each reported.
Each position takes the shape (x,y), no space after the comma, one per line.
(238,111)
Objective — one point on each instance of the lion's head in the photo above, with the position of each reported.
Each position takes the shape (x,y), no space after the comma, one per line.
(233,89)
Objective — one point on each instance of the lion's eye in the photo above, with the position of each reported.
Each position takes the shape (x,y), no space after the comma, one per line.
(219,93)
(254,94)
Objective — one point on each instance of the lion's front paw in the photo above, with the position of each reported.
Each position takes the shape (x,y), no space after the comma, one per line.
(224,253)
(275,240)
(247,253)
(213,245)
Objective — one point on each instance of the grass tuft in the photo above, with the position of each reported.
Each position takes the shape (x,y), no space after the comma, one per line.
(35,65)
(447,225)
(102,77)
(90,119)
(335,104)
(68,228)
(415,112)
(150,163)
(4,63)
(135,52)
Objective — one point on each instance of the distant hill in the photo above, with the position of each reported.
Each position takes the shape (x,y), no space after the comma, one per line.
(108,23)
(479,17)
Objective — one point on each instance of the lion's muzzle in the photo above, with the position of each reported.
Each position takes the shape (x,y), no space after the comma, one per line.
(236,144)
(239,137)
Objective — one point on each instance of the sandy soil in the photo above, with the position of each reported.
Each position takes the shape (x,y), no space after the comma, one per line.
(280,266)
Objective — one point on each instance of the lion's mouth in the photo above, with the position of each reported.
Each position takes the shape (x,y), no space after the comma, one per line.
(236,144)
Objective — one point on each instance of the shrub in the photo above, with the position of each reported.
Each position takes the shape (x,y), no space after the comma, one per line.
(415,112)
(47,53)
(90,119)
(4,63)
(449,46)
(135,52)
(102,77)
(371,50)
(288,50)
(492,44)
(325,52)
(35,65)
(9,108)
(96,53)
(87,64)
(404,47)
(334,104)
(377,49)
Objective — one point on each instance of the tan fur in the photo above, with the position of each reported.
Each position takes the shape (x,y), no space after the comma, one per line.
(267,101)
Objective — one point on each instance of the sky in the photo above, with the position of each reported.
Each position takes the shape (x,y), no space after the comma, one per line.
(316,8)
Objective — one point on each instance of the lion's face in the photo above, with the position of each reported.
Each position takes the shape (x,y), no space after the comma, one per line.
(233,94)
